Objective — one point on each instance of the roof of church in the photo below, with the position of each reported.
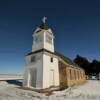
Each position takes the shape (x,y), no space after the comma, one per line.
(66,59)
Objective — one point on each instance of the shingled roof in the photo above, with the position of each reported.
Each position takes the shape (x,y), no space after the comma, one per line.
(66,59)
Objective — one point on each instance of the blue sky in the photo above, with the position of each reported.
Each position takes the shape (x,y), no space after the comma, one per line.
(75,23)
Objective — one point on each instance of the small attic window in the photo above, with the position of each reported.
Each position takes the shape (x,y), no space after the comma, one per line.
(51,59)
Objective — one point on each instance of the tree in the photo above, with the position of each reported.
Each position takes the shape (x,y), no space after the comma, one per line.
(82,62)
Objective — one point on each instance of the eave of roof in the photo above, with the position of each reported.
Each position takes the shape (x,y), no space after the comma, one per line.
(66,59)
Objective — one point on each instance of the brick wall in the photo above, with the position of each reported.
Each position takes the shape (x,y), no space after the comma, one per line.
(70,75)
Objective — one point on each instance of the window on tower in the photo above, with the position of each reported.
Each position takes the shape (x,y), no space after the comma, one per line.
(37,38)
(49,38)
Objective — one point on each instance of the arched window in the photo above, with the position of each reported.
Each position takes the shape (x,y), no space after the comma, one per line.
(78,75)
(70,71)
(75,74)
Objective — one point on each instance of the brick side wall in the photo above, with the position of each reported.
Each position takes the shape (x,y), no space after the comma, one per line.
(70,76)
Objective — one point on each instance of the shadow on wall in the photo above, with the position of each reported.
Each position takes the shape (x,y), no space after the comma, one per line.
(15,82)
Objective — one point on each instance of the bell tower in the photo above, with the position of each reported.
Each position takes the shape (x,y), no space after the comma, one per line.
(41,69)
(43,37)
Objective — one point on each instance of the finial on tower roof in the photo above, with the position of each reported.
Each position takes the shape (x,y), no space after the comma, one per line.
(44,24)
(44,19)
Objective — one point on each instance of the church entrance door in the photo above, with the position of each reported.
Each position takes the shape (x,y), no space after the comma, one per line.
(33,75)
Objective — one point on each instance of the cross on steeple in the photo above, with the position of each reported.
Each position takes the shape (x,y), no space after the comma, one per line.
(44,19)
(44,24)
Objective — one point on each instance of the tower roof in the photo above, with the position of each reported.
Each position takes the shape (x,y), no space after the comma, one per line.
(44,24)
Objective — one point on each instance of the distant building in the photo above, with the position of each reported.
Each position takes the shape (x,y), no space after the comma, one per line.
(47,68)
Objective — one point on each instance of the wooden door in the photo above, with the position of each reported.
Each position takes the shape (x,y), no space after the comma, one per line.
(33,76)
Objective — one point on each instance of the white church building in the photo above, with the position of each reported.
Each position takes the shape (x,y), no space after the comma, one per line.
(45,67)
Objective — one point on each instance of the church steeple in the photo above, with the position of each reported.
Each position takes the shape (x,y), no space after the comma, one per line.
(43,37)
